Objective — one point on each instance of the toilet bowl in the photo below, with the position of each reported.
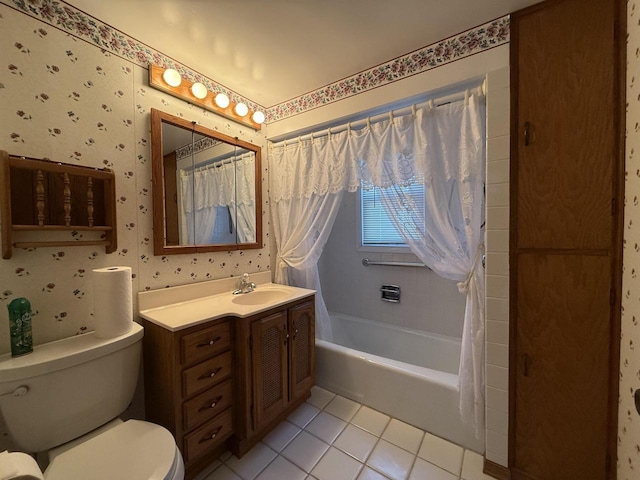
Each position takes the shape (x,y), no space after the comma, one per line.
(130,450)
(65,398)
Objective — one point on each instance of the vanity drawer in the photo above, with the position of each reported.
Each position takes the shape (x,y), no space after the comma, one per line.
(205,343)
(207,405)
(206,374)
(208,436)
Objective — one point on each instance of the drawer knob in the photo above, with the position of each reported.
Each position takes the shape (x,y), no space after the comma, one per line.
(211,405)
(209,343)
(210,374)
(212,436)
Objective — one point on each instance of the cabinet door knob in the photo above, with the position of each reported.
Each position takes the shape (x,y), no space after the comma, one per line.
(526,361)
(527,133)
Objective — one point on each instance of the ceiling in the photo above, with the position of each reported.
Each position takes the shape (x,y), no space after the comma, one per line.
(270,51)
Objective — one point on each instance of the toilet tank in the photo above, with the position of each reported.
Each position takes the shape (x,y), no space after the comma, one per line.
(73,386)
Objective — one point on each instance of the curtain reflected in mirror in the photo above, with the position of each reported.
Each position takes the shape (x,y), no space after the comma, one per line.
(210,190)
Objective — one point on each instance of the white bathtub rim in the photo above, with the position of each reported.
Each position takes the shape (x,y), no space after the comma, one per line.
(444,379)
(412,331)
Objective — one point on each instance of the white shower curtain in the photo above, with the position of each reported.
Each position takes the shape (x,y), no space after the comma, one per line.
(227,184)
(441,147)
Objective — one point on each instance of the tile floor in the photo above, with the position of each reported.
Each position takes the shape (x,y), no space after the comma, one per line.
(332,438)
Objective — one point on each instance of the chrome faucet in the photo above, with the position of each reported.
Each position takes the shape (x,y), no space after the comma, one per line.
(245,285)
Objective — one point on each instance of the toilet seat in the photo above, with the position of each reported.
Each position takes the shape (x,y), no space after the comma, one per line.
(134,450)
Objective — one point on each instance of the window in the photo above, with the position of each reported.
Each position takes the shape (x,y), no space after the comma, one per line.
(377,229)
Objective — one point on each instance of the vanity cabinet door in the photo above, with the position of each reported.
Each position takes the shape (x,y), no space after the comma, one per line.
(302,349)
(270,340)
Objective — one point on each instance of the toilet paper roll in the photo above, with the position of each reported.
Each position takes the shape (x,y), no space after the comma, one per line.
(112,301)
(19,466)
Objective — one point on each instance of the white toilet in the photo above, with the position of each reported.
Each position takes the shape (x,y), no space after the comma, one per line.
(64,399)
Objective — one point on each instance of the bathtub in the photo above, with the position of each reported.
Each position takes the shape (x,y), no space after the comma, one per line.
(407,374)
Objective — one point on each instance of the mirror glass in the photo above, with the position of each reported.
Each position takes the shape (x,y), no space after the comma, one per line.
(204,188)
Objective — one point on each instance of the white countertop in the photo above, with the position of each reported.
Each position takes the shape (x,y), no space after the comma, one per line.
(182,307)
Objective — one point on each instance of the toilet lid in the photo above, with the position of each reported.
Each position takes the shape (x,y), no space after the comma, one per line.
(134,450)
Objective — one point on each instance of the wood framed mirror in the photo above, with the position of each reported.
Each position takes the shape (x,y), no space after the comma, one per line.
(207,189)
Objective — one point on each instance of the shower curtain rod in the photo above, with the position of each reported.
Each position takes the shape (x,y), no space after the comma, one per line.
(358,124)
(218,162)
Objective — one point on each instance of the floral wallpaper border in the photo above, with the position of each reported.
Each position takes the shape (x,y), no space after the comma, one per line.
(484,37)
(84,27)
(75,22)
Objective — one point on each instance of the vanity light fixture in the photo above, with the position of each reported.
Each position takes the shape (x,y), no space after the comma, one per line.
(169,81)
(172,77)
(241,109)
(199,90)
(222,100)
(258,117)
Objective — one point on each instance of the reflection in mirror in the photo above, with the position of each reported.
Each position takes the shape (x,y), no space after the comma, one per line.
(209,192)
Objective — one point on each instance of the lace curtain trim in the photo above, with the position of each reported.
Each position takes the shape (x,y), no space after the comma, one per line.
(391,152)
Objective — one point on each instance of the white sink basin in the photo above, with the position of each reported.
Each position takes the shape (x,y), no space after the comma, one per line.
(260,297)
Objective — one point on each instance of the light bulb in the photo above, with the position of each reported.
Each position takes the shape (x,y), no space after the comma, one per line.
(172,77)
(242,109)
(222,100)
(258,117)
(199,90)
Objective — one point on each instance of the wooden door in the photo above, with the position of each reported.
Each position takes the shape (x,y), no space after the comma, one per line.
(302,349)
(565,103)
(562,366)
(269,339)
(565,247)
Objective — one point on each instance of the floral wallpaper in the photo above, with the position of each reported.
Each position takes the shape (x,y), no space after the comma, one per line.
(628,418)
(76,102)
(470,42)
(91,30)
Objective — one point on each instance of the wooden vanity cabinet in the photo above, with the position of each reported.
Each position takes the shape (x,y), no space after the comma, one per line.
(189,388)
(275,362)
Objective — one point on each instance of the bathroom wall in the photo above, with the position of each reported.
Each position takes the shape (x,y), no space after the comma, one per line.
(497,268)
(628,418)
(67,99)
(428,302)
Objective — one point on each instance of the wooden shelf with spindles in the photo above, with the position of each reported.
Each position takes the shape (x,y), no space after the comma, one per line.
(38,195)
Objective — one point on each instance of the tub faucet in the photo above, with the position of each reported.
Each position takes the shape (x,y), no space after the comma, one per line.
(245,286)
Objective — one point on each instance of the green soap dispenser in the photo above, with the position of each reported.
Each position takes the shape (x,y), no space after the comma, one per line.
(20,327)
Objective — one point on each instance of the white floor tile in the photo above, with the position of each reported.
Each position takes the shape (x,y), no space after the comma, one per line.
(371,420)
(281,469)
(305,450)
(423,470)
(223,473)
(204,474)
(253,462)
(303,415)
(320,397)
(326,427)
(369,474)
(472,467)
(356,442)
(403,435)
(393,461)
(442,453)
(342,408)
(280,436)
(336,465)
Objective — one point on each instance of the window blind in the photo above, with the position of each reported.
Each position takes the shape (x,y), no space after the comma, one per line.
(377,228)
